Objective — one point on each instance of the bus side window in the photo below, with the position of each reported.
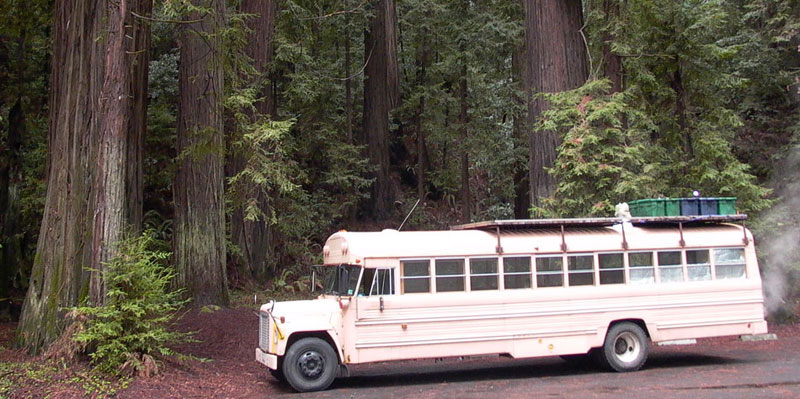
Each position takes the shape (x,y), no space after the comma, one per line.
(729,263)
(415,276)
(549,271)
(612,268)
(449,275)
(483,274)
(698,265)
(517,272)
(581,270)
(670,267)
(642,269)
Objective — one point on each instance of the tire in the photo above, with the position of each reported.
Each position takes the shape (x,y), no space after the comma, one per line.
(625,348)
(310,365)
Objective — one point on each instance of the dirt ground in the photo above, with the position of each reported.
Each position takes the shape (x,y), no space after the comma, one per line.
(228,338)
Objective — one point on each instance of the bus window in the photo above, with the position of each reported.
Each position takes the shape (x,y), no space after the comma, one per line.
(416,276)
(483,274)
(449,275)
(729,263)
(382,282)
(612,269)
(670,267)
(517,272)
(581,270)
(642,270)
(549,271)
(697,265)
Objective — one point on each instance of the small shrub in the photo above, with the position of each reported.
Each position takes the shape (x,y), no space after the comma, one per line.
(125,334)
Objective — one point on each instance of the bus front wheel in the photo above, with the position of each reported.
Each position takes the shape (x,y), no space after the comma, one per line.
(310,365)
(625,347)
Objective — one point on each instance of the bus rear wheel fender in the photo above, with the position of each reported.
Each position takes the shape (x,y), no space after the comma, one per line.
(625,348)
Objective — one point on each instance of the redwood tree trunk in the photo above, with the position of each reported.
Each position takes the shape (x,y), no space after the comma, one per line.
(199,231)
(556,61)
(115,106)
(522,198)
(254,237)
(380,97)
(58,278)
(139,62)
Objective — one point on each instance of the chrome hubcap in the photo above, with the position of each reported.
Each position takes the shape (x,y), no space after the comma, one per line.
(626,347)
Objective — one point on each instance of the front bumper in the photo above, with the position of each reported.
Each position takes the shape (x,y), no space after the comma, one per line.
(267,359)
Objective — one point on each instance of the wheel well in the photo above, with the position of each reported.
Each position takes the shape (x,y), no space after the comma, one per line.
(313,334)
(638,322)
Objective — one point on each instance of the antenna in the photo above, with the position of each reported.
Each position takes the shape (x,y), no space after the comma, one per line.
(409,214)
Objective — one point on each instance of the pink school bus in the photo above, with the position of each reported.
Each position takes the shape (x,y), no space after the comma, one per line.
(521,288)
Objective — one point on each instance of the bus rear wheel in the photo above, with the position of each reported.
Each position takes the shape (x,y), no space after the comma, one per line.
(310,365)
(625,348)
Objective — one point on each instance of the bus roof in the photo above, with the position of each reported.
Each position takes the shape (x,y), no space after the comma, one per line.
(531,237)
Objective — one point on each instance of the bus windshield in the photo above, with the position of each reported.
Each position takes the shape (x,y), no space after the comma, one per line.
(336,280)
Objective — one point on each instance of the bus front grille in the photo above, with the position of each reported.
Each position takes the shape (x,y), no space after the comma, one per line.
(264,330)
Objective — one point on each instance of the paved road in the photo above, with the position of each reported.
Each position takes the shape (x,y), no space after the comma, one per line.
(718,368)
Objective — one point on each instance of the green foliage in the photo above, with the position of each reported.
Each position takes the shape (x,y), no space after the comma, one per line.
(132,326)
(671,131)
(603,157)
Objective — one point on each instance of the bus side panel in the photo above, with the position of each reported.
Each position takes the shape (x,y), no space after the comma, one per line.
(546,322)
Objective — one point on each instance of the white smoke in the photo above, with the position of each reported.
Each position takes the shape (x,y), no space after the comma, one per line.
(780,238)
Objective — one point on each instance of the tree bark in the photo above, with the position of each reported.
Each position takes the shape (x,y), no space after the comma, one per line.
(58,280)
(522,199)
(254,237)
(381,95)
(139,62)
(111,171)
(199,230)
(556,61)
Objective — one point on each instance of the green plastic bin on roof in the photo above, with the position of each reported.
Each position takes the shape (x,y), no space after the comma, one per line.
(647,207)
(727,205)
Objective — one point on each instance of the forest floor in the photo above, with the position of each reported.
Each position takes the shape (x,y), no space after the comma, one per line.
(228,338)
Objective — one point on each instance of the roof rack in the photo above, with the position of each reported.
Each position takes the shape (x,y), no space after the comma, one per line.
(653,221)
(596,222)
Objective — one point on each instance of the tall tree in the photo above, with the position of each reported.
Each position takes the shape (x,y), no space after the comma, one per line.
(381,95)
(522,198)
(91,117)
(58,279)
(199,231)
(138,48)
(253,236)
(556,61)
(109,194)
